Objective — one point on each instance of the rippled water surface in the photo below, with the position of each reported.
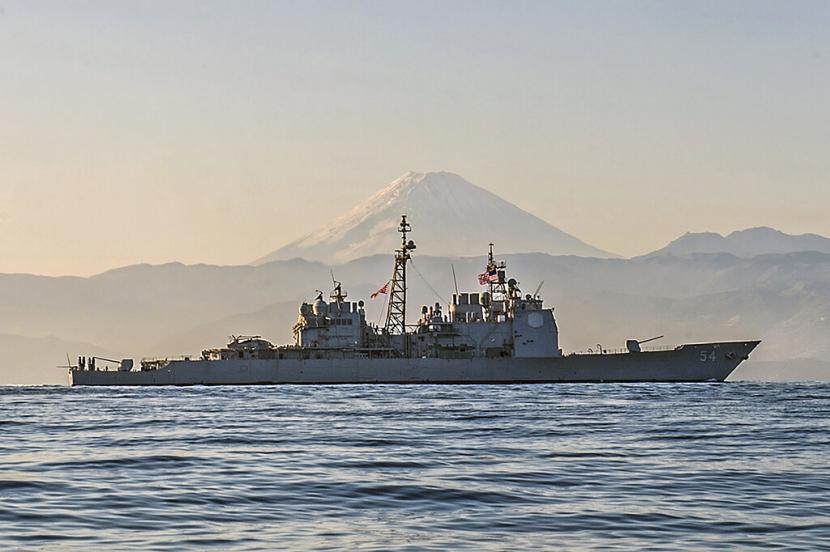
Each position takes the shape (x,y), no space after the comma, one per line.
(416,467)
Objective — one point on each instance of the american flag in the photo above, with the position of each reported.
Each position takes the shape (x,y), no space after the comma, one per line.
(384,289)
(489,277)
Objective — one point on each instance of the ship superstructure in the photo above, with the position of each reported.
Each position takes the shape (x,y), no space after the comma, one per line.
(499,335)
(497,323)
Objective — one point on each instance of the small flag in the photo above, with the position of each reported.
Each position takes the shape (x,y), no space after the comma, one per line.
(384,289)
(490,277)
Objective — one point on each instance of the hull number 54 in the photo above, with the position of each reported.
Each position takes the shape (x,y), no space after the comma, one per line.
(708,356)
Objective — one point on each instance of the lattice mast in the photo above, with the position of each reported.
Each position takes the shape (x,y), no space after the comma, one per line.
(396,313)
(497,285)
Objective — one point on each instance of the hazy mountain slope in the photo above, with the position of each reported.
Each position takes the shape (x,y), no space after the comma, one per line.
(36,360)
(274,322)
(451,217)
(134,307)
(744,243)
(177,309)
(803,369)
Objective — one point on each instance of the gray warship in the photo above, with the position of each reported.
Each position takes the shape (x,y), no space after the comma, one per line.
(497,336)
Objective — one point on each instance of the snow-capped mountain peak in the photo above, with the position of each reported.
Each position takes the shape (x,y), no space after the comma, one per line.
(450,216)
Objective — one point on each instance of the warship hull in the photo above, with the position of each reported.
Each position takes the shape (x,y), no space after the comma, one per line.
(687,363)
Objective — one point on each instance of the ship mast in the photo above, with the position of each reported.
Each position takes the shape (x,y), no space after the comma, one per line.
(491,267)
(497,286)
(396,314)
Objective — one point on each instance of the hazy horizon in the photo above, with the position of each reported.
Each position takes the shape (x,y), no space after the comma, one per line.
(209,132)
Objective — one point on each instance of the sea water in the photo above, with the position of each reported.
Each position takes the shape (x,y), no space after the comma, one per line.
(478,467)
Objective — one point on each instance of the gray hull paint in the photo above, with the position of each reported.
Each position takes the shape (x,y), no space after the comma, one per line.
(688,363)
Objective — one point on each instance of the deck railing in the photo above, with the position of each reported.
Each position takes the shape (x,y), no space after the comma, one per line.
(622,350)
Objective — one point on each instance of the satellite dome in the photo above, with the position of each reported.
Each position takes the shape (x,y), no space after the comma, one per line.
(320,308)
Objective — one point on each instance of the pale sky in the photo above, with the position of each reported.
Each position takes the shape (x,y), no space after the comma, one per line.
(218,131)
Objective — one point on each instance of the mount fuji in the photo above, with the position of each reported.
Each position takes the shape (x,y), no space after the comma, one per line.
(450,217)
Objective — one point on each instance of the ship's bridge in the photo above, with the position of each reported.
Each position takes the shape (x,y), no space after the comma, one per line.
(335,324)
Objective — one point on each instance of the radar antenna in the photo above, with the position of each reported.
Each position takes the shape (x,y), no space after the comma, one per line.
(337,290)
(396,313)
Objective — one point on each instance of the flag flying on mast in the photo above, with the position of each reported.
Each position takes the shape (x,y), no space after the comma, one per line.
(489,277)
(384,290)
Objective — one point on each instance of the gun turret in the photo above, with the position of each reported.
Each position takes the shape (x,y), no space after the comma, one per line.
(633,345)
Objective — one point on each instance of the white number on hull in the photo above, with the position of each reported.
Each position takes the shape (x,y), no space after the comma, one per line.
(710,356)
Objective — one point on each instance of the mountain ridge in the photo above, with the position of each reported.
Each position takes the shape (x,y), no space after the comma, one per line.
(746,243)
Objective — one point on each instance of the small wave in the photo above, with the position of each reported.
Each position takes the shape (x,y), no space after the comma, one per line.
(142,462)
(34,485)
